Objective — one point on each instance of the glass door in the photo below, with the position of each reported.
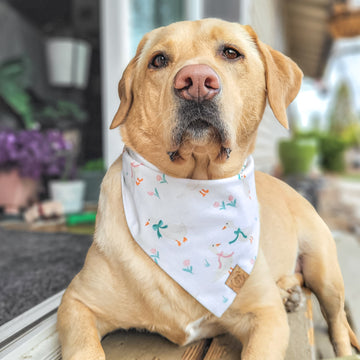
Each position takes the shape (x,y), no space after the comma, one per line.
(148,15)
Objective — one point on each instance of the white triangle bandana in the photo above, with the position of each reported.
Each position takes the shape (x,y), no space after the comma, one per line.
(202,233)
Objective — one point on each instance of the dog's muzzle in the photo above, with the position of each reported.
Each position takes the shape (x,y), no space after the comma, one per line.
(198,115)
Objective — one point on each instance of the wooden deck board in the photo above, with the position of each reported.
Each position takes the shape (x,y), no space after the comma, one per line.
(132,345)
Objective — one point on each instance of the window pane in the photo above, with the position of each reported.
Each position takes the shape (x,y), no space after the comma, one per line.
(149,14)
(228,10)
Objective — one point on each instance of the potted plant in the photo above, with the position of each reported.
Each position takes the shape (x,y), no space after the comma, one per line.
(25,157)
(66,116)
(332,153)
(67,188)
(61,114)
(68,61)
(342,122)
(13,90)
(297,155)
(352,136)
(92,173)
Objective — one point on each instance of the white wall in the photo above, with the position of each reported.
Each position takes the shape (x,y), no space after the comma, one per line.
(266,18)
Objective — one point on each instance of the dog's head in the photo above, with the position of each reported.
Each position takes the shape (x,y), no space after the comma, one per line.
(194,94)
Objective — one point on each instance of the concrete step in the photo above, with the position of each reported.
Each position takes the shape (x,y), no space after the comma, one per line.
(350,194)
(348,249)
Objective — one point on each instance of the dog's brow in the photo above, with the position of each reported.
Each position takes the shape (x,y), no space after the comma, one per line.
(250,41)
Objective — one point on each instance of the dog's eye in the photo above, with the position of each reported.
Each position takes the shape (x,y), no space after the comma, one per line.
(231,53)
(158,61)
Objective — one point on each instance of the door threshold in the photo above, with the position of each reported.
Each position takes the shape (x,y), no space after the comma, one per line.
(32,335)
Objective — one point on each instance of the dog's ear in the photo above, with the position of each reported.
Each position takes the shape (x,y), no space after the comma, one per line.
(125,95)
(125,88)
(283,78)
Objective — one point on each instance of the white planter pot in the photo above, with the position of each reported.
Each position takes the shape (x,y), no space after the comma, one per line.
(68,62)
(69,193)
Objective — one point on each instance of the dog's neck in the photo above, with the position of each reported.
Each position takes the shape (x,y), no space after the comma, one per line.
(201,167)
(200,164)
(196,163)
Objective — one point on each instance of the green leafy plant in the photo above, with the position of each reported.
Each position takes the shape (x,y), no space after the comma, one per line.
(62,113)
(332,150)
(343,133)
(13,89)
(342,113)
(94,165)
(351,134)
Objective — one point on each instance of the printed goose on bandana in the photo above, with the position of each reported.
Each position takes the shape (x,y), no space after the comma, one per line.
(175,232)
(237,231)
(224,260)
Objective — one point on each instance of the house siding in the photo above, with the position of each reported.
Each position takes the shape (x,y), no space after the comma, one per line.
(267,19)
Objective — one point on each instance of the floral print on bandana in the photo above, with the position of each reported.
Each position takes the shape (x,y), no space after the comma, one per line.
(197,231)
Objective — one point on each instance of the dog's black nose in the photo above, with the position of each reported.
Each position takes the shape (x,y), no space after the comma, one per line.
(197,82)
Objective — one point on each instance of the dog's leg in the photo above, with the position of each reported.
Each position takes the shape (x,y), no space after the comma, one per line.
(323,276)
(78,332)
(264,334)
(259,321)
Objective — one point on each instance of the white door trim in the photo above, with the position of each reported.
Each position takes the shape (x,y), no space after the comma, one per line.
(115,55)
(32,335)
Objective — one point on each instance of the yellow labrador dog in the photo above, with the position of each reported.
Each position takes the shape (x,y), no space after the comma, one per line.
(191,102)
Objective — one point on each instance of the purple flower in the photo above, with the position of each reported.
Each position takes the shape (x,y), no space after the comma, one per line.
(34,153)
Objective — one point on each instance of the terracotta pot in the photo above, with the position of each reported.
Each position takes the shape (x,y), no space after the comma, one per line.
(16,192)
